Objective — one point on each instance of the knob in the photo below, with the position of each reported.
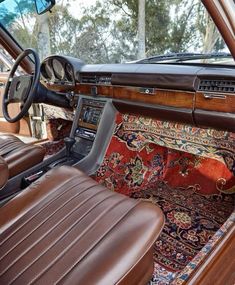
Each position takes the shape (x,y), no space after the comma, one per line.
(69,142)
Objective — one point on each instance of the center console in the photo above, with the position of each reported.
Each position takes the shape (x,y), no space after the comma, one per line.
(80,142)
(87,125)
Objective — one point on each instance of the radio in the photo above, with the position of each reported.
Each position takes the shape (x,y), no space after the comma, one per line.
(91,112)
(91,115)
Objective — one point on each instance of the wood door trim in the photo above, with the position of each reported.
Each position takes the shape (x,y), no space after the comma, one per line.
(218,268)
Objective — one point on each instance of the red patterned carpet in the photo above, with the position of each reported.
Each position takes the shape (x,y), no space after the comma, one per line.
(135,159)
(186,186)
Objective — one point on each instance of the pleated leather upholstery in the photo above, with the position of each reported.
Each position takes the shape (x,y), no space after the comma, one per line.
(18,155)
(4,172)
(67,229)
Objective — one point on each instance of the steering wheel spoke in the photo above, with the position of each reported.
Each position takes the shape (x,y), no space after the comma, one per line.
(21,89)
(6,101)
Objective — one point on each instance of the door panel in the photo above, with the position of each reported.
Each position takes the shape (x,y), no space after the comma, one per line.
(6,127)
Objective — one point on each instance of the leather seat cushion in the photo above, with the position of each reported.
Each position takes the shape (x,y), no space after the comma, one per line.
(18,155)
(4,173)
(67,229)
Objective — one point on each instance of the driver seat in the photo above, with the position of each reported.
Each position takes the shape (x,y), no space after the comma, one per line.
(18,155)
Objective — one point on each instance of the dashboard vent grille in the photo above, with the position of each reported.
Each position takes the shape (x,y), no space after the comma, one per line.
(96,79)
(88,79)
(223,86)
(104,79)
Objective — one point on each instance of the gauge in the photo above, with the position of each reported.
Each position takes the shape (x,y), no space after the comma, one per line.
(58,69)
(46,71)
(69,72)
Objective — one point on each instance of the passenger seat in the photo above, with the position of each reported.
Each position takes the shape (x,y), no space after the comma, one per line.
(65,228)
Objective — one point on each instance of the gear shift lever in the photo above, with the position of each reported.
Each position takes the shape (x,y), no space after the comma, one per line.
(69,142)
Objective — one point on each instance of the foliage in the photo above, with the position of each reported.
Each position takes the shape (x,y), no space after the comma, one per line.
(107,31)
(19,21)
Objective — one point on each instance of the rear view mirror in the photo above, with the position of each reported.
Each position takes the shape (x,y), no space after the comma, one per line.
(43,6)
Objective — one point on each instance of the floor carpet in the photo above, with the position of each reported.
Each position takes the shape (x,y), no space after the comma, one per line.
(191,220)
(189,188)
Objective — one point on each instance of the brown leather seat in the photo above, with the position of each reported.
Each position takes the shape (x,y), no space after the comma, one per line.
(67,229)
(4,172)
(18,155)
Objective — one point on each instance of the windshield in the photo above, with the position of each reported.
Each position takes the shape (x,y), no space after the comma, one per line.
(107,31)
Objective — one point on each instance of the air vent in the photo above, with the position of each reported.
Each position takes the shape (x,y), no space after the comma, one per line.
(104,79)
(88,79)
(224,86)
(96,79)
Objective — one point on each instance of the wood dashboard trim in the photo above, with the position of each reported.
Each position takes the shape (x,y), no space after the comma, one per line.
(224,104)
(163,97)
(180,99)
(58,87)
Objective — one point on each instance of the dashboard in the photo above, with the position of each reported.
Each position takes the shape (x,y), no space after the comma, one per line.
(200,95)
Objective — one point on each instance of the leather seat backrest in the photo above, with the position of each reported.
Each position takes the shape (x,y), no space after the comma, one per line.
(4,172)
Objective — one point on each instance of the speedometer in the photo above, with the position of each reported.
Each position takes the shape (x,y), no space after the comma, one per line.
(58,69)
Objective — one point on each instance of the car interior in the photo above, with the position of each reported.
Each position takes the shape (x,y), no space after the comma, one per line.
(137,188)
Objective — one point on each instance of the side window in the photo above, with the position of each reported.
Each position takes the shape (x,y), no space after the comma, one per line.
(3,66)
(6,60)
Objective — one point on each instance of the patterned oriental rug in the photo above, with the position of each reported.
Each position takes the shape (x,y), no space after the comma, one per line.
(141,163)
(143,152)
(191,221)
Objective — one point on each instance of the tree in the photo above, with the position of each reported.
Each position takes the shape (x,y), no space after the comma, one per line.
(43,36)
(211,36)
(115,30)
(63,30)
(211,39)
(171,26)
(29,31)
(141,29)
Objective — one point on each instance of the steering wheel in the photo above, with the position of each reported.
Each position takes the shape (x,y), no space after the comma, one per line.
(21,89)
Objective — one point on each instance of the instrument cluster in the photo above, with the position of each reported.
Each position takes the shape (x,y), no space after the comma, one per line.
(57,70)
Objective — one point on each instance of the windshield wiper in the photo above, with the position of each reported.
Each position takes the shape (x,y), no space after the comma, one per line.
(184,56)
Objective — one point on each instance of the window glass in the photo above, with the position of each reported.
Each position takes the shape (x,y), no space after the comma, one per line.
(106,31)
(6,60)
